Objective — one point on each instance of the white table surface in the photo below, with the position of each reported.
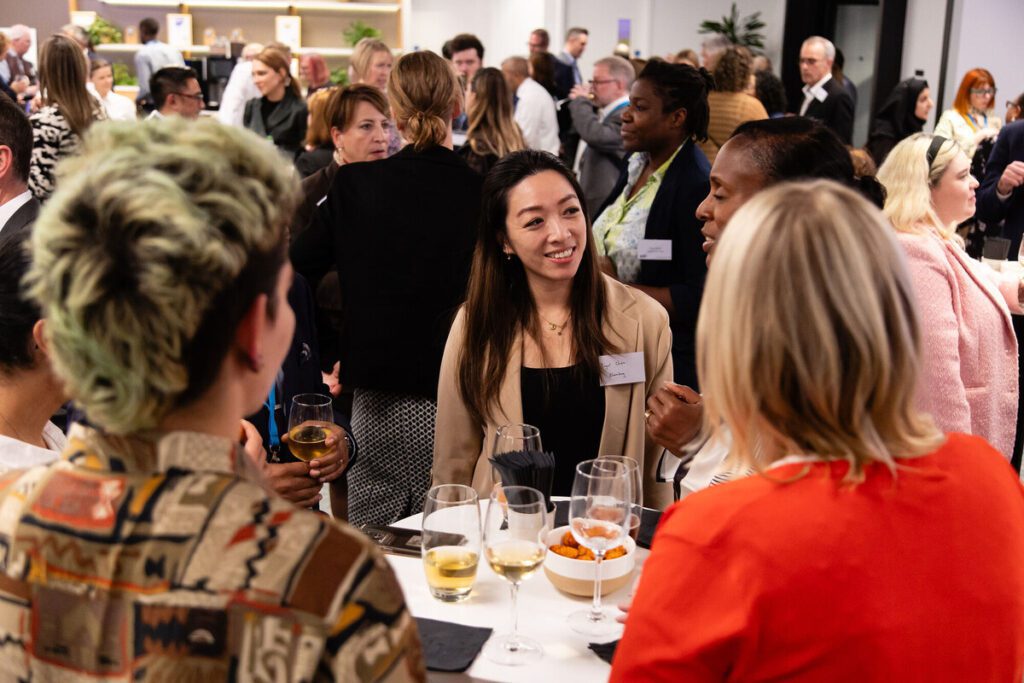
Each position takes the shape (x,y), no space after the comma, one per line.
(542,616)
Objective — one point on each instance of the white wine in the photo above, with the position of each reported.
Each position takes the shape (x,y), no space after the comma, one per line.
(515,560)
(308,441)
(451,571)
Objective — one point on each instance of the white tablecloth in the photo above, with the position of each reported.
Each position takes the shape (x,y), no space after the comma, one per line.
(542,616)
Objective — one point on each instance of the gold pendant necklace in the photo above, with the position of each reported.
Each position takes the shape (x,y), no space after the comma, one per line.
(557,329)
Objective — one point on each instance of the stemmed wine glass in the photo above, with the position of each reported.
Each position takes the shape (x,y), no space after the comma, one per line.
(637,508)
(515,531)
(517,437)
(310,422)
(599,514)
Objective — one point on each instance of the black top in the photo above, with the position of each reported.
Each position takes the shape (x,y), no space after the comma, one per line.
(311,161)
(569,412)
(401,232)
(481,163)
(284,122)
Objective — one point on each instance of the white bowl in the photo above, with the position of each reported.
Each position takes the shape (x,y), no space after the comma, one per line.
(576,577)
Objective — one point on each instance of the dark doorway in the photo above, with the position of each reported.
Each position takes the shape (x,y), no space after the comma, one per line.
(873,33)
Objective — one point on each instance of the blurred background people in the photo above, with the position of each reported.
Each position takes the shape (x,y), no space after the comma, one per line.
(971,120)
(596,111)
(969,378)
(314,73)
(769,91)
(318,148)
(843,534)
(534,108)
(904,112)
(240,88)
(371,63)
(576,39)
(492,133)
(400,232)
(825,98)
(15,70)
(711,49)
(118,107)
(728,104)
(152,56)
(66,113)
(175,91)
(648,235)
(280,114)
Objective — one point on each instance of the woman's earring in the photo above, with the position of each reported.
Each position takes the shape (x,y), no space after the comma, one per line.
(508,255)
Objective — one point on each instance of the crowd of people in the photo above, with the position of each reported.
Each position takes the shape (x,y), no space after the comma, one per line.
(828,394)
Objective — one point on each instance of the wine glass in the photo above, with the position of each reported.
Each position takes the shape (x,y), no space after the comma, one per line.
(517,437)
(599,513)
(310,422)
(637,508)
(451,541)
(515,534)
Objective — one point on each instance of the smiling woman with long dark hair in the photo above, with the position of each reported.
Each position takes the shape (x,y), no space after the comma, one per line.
(527,345)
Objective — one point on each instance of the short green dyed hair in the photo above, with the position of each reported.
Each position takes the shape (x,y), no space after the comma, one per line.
(146,259)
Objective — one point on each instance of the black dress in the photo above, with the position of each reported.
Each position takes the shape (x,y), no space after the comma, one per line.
(567,406)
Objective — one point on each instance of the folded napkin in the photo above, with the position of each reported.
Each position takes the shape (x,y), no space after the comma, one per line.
(648,522)
(605,650)
(450,647)
(535,469)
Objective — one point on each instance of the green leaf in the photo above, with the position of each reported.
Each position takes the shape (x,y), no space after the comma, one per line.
(358,30)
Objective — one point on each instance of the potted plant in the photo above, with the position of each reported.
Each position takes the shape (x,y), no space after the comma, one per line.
(745,31)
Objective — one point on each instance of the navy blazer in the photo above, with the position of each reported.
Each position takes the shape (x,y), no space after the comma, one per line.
(674,216)
(1009,147)
(300,372)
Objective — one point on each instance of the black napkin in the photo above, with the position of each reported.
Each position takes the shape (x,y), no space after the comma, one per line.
(535,469)
(648,522)
(996,248)
(450,647)
(605,650)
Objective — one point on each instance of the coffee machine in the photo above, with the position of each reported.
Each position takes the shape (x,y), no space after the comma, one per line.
(214,74)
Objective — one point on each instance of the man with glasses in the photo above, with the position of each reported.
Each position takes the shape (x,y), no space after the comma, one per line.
(176,92)
(597,117)
(824,98)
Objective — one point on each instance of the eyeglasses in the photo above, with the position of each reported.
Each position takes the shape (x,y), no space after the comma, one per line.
(601,81)
(983,91)
(1010,104)
(198,97)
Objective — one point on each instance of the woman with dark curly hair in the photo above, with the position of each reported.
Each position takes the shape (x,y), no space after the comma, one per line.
(730,106)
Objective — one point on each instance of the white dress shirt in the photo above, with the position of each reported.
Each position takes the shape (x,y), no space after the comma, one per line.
(535,114)
(15,454)
(118,107)
(814,92)
(8,209)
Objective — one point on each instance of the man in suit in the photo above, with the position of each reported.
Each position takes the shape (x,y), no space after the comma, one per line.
(14,66)
(176,92)
(825,99)
(535,110)
(599,123)
(540,41)
(1001,195)
(18,208)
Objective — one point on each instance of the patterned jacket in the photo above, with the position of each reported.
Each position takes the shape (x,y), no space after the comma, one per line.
(156,557)
(52,140)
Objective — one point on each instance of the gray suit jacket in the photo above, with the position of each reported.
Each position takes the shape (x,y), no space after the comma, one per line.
(23,218)
(603,157)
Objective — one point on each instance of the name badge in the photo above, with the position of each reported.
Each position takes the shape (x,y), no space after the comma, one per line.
(654,250)
(626,368)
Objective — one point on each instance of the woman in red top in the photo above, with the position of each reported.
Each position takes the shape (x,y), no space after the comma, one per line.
(869,546)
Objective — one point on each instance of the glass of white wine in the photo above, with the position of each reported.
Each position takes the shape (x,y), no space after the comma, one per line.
(599,518)
(310,422)
(451,541)
(515,531)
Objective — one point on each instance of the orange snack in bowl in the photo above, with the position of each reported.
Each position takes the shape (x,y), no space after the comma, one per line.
(617,551)
(565,551)
(569,540)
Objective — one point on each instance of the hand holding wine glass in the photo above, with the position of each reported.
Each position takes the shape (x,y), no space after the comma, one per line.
(310,423)
(599,514)
(515,528)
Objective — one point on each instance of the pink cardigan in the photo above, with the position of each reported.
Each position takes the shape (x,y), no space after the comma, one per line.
(969,374)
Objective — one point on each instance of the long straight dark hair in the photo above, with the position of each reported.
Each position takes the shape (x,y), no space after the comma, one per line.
(500,305)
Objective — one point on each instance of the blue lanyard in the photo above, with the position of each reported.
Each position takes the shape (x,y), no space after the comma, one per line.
(275,439)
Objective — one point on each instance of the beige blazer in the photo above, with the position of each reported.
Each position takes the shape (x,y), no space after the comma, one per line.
(634,322)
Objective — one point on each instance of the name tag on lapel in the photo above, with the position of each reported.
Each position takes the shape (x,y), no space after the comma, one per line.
(625,368)
(654,250)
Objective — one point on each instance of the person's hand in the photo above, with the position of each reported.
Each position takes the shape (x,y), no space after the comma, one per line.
(674,415)
(291,481)
(252,444)
(19,85)
(579,91)
(985,134)
(331,464)
(1013,177)
(607,267)
(331,380)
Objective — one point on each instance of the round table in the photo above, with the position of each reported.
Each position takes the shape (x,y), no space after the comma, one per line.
(542,616)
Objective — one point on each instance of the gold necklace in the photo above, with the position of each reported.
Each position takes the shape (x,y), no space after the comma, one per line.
(557,329)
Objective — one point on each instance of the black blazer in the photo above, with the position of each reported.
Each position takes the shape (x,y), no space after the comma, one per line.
(674,216)
(401,232)
(1009,147)
(287,124)
(836,111)
(23,218)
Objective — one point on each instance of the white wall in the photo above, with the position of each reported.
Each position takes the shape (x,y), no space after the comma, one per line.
(503,27)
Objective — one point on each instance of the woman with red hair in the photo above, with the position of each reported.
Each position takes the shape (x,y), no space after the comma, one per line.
(971,120)
(314,73)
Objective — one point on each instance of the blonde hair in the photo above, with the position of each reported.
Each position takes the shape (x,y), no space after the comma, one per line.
(492,129)
(807,340)
(908,183)
(424,91)
(63,72)
(362,56)
(146,258)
